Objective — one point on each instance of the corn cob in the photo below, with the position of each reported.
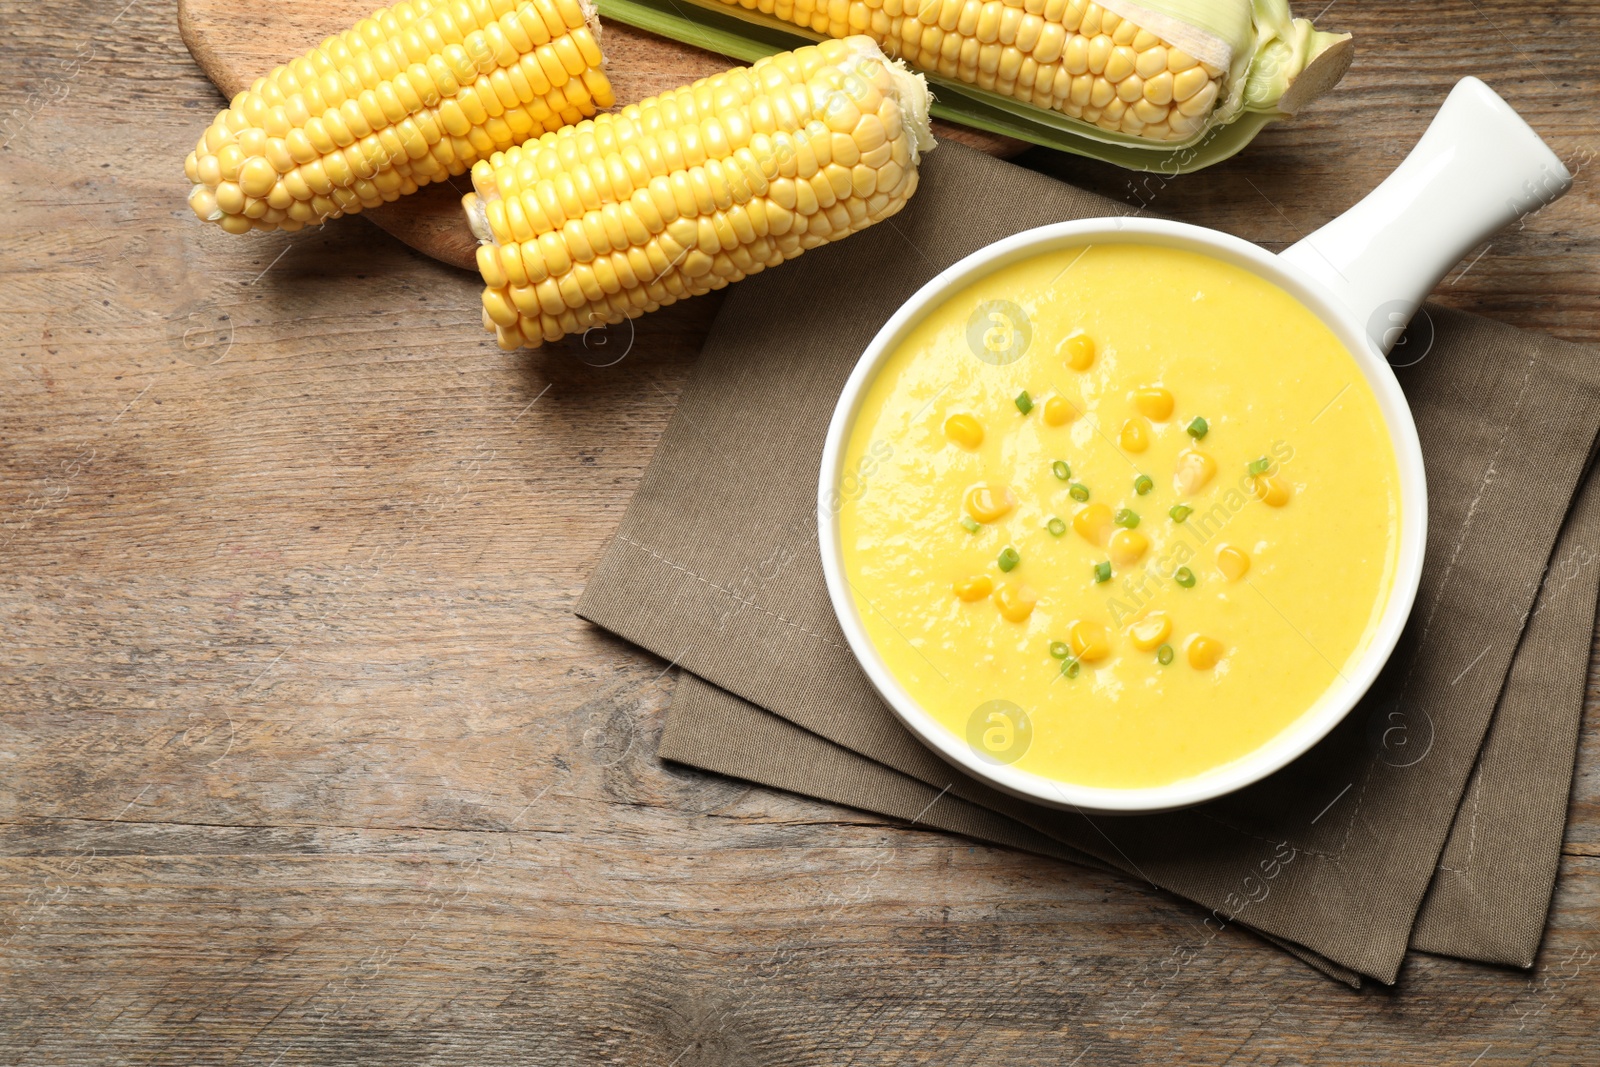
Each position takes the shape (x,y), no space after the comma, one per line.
(683,193)
(1158,70)
(414,93)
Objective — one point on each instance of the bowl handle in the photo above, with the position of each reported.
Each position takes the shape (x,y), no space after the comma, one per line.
(1478,167)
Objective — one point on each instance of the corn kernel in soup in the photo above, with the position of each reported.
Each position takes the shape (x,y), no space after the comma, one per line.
(1162,531)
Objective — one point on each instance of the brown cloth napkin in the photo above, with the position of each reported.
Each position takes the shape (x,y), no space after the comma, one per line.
(715,568)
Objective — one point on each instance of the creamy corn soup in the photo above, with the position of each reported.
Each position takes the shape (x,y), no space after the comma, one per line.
(1119,515)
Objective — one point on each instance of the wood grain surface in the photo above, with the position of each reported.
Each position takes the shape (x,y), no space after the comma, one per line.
(236,42)
(304,758)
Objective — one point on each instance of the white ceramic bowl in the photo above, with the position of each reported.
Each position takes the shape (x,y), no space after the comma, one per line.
(1478,167)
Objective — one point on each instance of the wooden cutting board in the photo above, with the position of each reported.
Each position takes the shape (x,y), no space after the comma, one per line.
(235,43)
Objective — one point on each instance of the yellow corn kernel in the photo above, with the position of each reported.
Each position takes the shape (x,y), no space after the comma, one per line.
(257,177)
(1203,652)
(1127,547)
(1154,403)
(989,503)
(1200,103)
(1158,92)
(1151,61)
(1119,65)
(1058,411)
(1185,83)
(1090,642)
(230,198)
(1232,562)
(1195,471)
(964,430)
(204,202)
(1077,350)
(410,95)
(1015,600)
(702,186)
(975,588)
(1135,435)
(1272,489)
(1094,523)
(1150,632)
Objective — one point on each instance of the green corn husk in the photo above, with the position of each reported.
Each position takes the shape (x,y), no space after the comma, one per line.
(1274,65)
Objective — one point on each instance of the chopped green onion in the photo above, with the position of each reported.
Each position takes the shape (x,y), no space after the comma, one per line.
(1184,577)
(1102,572)
(1056,527)
(1126,517)
(1024,402)
(1164,655)
(1143,484)
(1079,492)
(1260,466)
(1197,428)
(1179,512)
(1009,558)
(1070,668)
(1059,649)
(1060,469)
(969,524)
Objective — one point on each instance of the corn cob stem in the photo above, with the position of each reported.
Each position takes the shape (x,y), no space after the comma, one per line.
(685,192)
(412,94)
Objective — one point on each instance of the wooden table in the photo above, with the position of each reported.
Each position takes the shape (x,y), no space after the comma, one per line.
(306,759)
